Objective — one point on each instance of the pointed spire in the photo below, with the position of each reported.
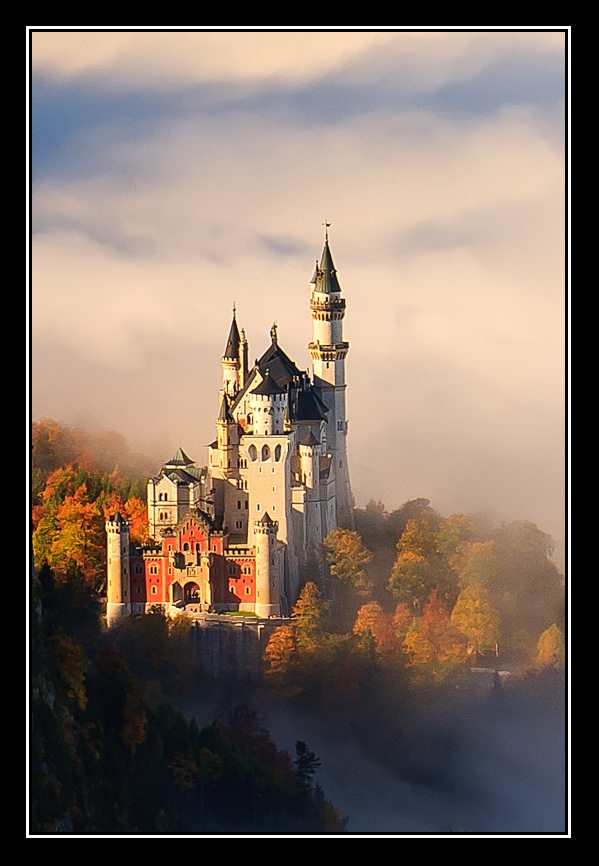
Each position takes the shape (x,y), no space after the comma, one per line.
(325,276)
(315,274)
(233,341)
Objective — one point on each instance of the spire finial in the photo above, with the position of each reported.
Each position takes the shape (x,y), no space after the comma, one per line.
(273,332)
(326,224)
(234,309)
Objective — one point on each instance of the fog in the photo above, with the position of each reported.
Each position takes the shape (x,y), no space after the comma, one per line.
(468,763)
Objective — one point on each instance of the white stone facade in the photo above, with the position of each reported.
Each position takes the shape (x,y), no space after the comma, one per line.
(276,483)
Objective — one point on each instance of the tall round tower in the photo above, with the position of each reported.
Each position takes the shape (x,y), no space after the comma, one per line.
(267,567)
(328,351)
(118,585)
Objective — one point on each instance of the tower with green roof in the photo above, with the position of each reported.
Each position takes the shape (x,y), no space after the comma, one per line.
(328,351)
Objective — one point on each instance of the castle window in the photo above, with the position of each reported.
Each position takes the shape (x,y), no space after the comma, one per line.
(278,453)
(265,452)
(138,590)
(247,590)
(138,569)
(246,503)
(238,524)
(186,546)
(239,503)
(253,452)
(339,425)
(153,569)
(257,506)
(154,590)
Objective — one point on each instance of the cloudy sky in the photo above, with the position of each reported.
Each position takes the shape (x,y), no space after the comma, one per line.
(175,173)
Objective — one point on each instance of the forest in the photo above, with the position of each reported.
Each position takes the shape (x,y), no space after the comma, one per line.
(411,603)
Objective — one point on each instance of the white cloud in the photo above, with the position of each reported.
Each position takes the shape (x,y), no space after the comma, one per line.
(164,59)
(447,232)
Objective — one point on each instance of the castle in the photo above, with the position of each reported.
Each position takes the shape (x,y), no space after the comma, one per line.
(244,532)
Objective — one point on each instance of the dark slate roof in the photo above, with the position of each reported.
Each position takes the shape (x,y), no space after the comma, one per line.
(307,437)
(307,406)
(233,341)
(326,274)
(180,458)
(268,386)
(266,519)
(198,473)
(279,365)
(182,476)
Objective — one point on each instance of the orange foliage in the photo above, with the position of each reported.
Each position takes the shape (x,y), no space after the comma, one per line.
(436,648)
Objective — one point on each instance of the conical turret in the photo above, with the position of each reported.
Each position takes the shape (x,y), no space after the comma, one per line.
(231,360)
(233,341)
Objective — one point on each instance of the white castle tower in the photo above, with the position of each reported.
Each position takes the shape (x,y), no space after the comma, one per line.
(328,351)
(268,589)
(118,586)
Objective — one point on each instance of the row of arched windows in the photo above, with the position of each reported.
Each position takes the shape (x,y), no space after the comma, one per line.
(265,453)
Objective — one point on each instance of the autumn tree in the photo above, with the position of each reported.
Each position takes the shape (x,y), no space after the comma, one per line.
(527,587)
(348,559)
(551,650)
(476,564)
(69,517)
(476,618)
(385,629)
(425,553)
(309,612)
(435,647)
(279,656)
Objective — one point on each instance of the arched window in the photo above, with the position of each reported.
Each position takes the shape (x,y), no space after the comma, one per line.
(186,546)
(278,453)
(252,451)
(265,452)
